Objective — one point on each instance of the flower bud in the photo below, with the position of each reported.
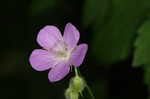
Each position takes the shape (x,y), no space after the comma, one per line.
(77,84)
(70,94)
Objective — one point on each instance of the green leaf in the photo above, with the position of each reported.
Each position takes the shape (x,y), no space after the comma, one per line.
(142,45)
(147,77)
(113,33)
(142,51)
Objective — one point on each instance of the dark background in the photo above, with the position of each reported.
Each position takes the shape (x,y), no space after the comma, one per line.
(109,27)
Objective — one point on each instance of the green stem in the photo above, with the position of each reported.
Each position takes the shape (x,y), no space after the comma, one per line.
(88,88)
(76,71)
(90,92)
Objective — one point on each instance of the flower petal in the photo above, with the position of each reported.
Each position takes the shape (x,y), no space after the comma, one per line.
(78,55)
(59,72)
(42,60)
(49,36)
(71,35)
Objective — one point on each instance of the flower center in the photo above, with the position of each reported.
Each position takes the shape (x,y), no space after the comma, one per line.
(64,55)
(61,50)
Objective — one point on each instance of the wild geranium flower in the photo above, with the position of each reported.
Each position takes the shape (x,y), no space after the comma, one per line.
(59,52)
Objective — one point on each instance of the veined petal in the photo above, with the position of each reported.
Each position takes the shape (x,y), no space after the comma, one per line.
(78,55)
(49,36)
(58,72)
(71,35)
(41,60)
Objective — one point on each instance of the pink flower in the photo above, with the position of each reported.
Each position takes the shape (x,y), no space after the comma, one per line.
(59,52)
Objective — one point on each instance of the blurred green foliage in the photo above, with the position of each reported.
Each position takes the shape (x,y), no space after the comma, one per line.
(95,11)
(114,24)
(40,6)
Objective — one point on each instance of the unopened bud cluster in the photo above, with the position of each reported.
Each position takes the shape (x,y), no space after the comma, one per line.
(76,86)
